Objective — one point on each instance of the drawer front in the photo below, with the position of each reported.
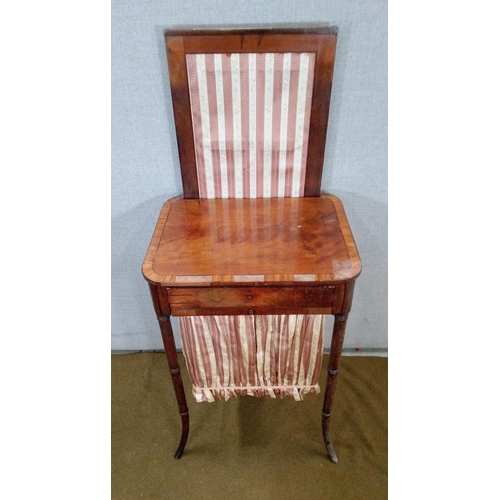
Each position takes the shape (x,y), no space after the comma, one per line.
(250,300)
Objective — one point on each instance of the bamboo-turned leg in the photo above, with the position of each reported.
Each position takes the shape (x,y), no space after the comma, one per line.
(331,381)
(175,371)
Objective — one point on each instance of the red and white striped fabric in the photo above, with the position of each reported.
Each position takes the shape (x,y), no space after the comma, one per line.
(253,355)
(251,115)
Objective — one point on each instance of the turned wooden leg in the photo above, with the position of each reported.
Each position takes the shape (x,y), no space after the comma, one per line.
(331,381)
(175,372)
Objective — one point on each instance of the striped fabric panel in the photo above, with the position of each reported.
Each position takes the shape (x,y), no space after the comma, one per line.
(273,355)
(251,115)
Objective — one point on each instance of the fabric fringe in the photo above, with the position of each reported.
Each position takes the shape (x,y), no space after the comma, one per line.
(211,394)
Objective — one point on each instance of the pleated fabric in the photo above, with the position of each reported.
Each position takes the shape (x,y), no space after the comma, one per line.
(266,355)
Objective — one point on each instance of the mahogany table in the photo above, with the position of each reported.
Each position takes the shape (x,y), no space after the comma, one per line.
(252,256)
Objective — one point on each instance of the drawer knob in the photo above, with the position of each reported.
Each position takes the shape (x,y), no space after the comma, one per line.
(250,311)
(249,295)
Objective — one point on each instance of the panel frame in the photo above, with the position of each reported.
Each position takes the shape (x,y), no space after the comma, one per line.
(320,40)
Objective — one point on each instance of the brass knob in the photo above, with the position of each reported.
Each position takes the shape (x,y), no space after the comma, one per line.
(250,311)
(249,295)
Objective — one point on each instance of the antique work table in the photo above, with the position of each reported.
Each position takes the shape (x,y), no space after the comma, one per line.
(258,255)
(299,255)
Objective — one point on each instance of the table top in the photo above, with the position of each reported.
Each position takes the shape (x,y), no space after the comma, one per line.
(262,242)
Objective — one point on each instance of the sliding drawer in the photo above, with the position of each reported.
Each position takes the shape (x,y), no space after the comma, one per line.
(250,300)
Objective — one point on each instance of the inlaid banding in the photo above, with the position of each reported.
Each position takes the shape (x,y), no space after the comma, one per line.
(193,279)
(249,277)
